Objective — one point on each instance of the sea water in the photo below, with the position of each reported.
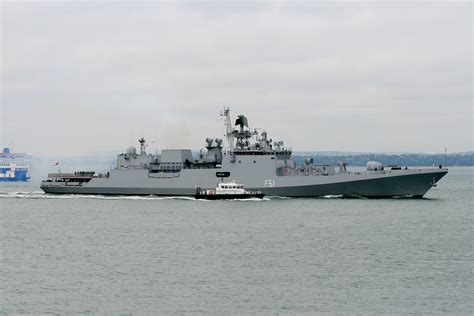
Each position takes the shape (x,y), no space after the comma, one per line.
(155,255)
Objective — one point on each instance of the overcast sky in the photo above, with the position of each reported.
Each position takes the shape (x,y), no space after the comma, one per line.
(81,77)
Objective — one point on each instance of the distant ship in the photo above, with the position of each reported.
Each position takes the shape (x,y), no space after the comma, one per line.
(251,158)
(14,166)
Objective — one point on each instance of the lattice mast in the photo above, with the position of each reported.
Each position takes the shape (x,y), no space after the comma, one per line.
(229,132)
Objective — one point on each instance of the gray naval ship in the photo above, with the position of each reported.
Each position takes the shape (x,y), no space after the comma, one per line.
(249,157)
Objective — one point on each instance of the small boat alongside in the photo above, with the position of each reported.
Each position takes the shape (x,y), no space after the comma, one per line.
(227,191)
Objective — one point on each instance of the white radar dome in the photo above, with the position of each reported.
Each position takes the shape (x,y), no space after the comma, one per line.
(374,166)
(131,150)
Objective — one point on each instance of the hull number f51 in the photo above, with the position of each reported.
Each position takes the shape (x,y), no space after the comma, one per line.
(269,183)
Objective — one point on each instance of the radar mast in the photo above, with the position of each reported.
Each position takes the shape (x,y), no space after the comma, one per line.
(228,129)
(142,142)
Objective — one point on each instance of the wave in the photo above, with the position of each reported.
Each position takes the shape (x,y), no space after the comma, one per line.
(42,195)
(250,199)
(276,197)
(332,197)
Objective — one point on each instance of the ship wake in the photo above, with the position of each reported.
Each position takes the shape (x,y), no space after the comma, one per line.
(42,195)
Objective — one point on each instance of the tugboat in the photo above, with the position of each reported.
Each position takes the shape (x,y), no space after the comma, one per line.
(227,191)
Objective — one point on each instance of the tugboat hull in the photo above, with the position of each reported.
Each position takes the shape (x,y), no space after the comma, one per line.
(228,196)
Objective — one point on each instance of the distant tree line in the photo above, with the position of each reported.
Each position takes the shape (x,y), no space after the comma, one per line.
(463,159)
(354,159)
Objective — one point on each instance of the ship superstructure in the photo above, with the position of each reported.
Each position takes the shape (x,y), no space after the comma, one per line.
(249,157)
(14,166)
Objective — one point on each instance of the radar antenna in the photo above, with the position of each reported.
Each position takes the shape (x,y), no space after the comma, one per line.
(228,129)
(142,142)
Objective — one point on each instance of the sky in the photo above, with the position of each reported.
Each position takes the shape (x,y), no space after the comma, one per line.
(81,77)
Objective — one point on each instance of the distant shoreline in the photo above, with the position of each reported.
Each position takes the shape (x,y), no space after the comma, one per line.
(413,160)
(331,158)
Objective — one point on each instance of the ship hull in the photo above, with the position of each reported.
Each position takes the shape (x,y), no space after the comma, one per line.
(415,185)
(20,176)
(403,183)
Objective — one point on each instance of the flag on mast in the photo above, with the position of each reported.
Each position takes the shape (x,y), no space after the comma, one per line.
(56,165)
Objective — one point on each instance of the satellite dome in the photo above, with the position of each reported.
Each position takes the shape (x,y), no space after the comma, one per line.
(6,150)
(374,166)
(131,150)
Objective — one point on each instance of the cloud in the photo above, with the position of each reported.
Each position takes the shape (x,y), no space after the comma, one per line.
(82,76)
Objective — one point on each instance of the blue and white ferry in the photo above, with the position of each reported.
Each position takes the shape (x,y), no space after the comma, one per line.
(14,166)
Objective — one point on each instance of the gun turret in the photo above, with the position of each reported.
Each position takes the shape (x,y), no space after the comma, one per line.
(209,141)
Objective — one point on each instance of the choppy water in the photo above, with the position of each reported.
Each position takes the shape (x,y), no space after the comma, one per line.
(76,254)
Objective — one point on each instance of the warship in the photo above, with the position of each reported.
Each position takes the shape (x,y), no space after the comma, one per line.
(249,157)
